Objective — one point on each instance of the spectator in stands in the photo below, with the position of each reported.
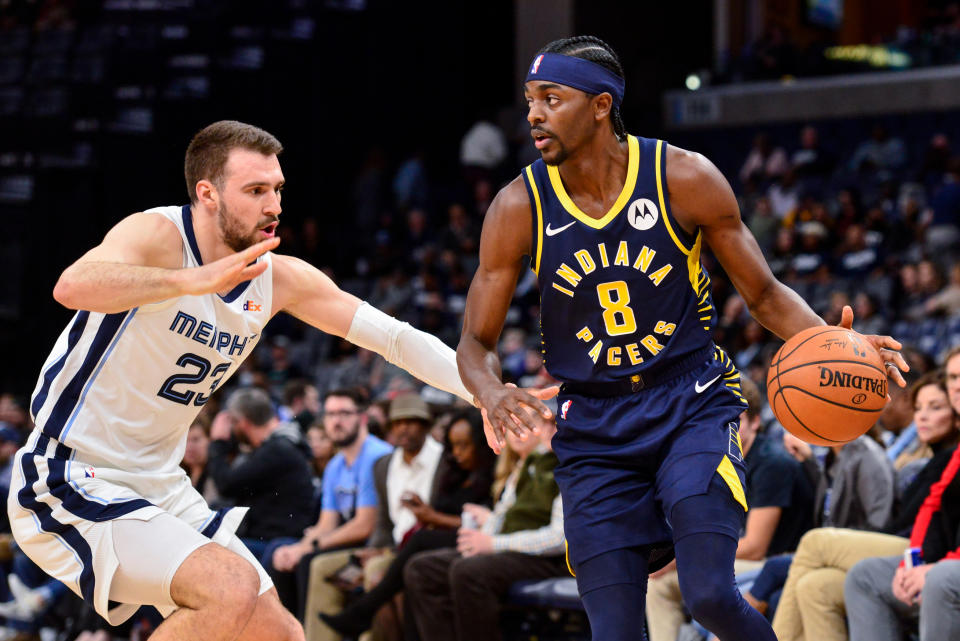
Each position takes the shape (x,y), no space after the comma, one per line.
(764,162)
(943,233)
(894,428)
(195,458)
(812,604)
(938,433)
(855,258)
(869,320)
(880,153)
(811,257)
(401,479)
(947,301)
(301,401)
(464,477)
(784,195)
(482,150)
(780,500)
(854,489)
(410,185)
(273,479)
(884,596)
(282,370)
(763,224)
(460,235)
(455,594)
(349,507)
(321,449)
(811,160)
(781,256)
(933,169)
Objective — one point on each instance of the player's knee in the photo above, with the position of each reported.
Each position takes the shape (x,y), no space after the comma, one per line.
(240,584)
(709,604)
(292,629)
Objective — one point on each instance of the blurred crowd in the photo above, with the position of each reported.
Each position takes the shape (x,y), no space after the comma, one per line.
(380,512)
(376,504)
(776,55)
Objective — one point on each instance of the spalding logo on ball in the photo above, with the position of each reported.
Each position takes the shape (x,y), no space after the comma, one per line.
(827,385)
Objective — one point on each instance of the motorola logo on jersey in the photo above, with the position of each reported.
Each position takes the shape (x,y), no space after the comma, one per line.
(643,214)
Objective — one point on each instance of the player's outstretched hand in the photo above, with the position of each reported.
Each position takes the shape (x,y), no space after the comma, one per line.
(887,346)
(520,410)
(229,271)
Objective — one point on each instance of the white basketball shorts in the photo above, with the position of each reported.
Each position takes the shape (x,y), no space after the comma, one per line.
(66,516)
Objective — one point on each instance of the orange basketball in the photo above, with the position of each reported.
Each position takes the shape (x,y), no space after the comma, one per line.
(827,385)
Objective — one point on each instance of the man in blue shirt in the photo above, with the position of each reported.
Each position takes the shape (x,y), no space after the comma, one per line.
(349,504)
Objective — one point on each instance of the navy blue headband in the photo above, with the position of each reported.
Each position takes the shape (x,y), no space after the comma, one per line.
(577,73)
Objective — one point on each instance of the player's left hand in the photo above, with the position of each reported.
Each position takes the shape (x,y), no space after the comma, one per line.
(887,346)
(496,433)
(473,542)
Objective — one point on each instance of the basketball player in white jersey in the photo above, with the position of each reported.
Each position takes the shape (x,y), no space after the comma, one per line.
(169,305)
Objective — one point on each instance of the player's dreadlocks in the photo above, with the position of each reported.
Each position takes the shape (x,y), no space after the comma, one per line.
(595,50)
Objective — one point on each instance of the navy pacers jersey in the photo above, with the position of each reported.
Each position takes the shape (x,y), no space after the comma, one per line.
(624,293)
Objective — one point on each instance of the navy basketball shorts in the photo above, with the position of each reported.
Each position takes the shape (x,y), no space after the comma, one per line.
(625,461)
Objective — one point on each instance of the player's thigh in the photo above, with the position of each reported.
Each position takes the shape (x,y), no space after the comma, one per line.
(149,555)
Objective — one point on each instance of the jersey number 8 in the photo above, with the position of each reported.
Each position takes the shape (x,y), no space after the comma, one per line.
(617,315)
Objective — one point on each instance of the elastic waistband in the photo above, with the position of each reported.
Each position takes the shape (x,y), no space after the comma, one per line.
(650,378)
(50,448)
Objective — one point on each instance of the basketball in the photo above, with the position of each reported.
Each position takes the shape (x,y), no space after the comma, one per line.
(827,385)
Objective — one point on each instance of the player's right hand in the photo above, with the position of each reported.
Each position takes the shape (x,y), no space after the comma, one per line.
(510,408)
(228,272)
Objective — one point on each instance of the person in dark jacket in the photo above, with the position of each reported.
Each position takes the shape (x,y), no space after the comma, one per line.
(273,478)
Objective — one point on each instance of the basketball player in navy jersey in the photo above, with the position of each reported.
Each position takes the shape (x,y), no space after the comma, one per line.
(647,427)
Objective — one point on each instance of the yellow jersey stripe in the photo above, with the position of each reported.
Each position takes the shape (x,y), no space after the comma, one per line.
(633,169)
(729,474)
(536,199)
(663,204)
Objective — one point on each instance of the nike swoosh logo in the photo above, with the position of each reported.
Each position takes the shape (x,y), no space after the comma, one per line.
(699,388)
(554,232)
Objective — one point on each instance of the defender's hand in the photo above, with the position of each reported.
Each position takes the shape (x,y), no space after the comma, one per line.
(519,410)
(229,271)
(887,346)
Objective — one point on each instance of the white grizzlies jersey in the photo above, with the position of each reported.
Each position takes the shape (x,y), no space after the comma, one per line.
(122,389)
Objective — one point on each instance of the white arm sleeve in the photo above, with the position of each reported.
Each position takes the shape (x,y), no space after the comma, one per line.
(423,355)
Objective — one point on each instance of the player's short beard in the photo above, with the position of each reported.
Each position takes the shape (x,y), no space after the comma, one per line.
(234,236)
(561,155)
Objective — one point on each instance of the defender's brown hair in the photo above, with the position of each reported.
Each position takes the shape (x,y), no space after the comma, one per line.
(208,151)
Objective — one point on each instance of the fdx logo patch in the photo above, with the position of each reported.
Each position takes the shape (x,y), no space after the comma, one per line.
(251,306)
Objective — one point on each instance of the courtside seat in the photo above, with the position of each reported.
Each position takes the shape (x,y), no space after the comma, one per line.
(547,610)
(547,593)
